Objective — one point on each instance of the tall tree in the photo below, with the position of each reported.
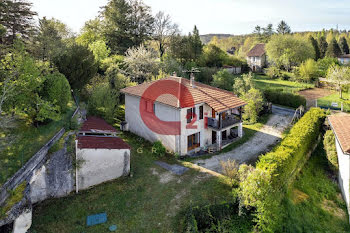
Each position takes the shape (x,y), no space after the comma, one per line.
(197,46)
(268,31)
(316,48)
(77,63)
(257,30)
(164,29)
(333,49)
(323,45)
(283,28)
(344,45)
(128,23)
(17,18)
(91,32)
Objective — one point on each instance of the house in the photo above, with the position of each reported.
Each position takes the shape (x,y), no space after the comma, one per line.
(101,155)
(256,58)
(340,125)
(186,116)
(233,69)
(344,59)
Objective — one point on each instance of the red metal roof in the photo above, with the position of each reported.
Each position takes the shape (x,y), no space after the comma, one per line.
(97,124)
(100,142)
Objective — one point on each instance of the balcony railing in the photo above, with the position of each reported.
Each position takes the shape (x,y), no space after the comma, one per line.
(228,121)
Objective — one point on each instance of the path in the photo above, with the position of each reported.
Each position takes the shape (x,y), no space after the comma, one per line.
(261,143)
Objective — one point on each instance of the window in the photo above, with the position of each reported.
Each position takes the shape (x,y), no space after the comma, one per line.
(189,115)
(201,112)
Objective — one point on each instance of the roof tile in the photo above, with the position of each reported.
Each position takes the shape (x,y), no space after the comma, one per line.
(257,51)
(341,127)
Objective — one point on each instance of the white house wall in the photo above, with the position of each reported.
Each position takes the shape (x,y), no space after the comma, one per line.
(100,165)
(344,167)
(137,126)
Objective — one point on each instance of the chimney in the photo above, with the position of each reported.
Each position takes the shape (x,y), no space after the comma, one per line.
(192,84)
(174,74)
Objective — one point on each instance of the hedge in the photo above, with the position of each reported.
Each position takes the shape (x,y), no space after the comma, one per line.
(265,187)
(208,218)
(331,150)
(279,96)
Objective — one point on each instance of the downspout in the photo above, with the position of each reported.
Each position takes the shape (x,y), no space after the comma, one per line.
(76,167)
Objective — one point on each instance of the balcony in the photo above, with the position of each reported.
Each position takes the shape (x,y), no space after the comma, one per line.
(228,121)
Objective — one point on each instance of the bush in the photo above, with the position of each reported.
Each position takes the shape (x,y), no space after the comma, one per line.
(57,90)
(308,70)
(265,187)
(223,79)
(273,72)
(206,74)
(255,101)
(217,218)
(158,149)
(279,96)
(73,123)
(331,151)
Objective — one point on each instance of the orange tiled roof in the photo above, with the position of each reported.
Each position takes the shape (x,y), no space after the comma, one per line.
(257,51)
(341,127)
(218,99)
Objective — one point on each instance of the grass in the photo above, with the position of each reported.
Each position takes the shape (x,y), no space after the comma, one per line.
(15,197)
(148,201)
(328,100)
(20,142)
(263,82)
(314,202)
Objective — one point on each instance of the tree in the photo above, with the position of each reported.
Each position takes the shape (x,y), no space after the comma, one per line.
(316,48)
(333,49)
(77,63)
(288,51)
(223,79)
(344,45)
(17,18)
(91,32)
(128,23)
(164,29)
(141,64)
(49,41)
(257,30)
(243,85)
(308,70)
(213,56)
(268,31)
(255,100)
(196,43)
(230,169)
(340,75)
(100,50)
(325,63)
(283,28)
(323,45)
(57,90)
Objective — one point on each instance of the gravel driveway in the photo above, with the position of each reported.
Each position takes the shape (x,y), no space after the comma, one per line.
(261,143)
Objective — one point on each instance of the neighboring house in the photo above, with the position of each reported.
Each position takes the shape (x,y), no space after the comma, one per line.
(218,114)
(256,58)
(341,128)
(231,51)
(101,155)
(344,59)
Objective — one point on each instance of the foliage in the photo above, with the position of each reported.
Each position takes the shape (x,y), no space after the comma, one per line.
(281,97)
(316,47)
(230,169)
(255,100)
(91,32)
(100,50)
(15,196)
(158,149)
(169,65)
(141,64)
(325,63)
(206,75)
(243,85)
(308,70)
(223,79)
(213,56)
(343,44)
(339,75)
(331,151)
(288,51)
(265,187)
(57,90)
(283,28)
(126,24)
(73,123)
(323,45)
(273,72)
(17,18)
(77,63)
(333,49)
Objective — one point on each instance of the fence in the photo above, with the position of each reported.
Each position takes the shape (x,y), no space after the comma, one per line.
(333,105)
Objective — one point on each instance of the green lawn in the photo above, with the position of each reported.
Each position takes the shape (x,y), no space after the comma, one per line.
(263,82)
(149,201)
(328,100)
(21,141)
(314,203)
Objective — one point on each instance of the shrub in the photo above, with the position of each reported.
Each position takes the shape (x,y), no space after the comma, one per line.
(331,151)
(255,100)
(223,79)
(265,186)
(308,70)
(158,149)
(273,72)
(73,123)
(279,96)
(57,90)
(230,169)
(206,74)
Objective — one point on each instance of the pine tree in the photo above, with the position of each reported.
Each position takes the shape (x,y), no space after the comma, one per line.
(344,45)
(197,45)
(323,45)
(317,49)
(283,28)
(16,17)
(333,49)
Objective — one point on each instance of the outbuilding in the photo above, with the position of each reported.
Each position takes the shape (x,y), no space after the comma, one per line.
(100,154)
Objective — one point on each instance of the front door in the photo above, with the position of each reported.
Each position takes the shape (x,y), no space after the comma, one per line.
(213,137)
(193,141)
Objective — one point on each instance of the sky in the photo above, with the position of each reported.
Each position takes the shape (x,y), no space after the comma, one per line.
(216,16)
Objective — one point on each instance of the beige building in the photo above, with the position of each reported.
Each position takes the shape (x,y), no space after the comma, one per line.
(344,59)
(256,58)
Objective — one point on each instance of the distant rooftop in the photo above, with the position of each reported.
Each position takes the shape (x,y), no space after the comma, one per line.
(257,51)
(96,125)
